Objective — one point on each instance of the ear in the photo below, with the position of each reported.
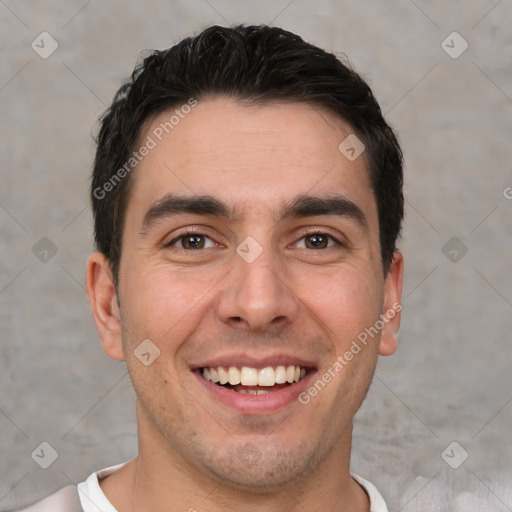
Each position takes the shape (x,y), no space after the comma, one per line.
(392,305)
(103,298)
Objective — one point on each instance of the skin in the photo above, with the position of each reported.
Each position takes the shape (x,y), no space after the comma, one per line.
(194,304)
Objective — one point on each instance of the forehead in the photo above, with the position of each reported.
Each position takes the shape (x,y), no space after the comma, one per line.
(249,155)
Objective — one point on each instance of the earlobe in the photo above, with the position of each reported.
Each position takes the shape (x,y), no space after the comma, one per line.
(103,298)
(392,306)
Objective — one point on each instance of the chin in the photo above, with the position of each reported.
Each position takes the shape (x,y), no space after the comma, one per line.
(260,470)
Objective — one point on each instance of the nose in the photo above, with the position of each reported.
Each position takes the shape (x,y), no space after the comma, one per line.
(256,296)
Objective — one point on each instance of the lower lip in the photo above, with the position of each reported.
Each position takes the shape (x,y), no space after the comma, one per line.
(256,404)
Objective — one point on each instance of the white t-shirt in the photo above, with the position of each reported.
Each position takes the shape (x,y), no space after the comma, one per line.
(93,499)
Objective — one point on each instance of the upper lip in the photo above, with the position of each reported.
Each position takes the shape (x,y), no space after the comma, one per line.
(253,361)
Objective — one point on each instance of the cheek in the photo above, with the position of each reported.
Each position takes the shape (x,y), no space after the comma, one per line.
(164,304)
(347,301)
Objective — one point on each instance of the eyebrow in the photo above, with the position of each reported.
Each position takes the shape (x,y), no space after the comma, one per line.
(337,205)
(171,205)
(300,206)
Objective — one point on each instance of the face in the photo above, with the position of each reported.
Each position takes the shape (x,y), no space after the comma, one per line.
(250,253)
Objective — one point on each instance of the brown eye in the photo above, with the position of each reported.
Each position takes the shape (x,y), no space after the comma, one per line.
(316,241)
(192,241)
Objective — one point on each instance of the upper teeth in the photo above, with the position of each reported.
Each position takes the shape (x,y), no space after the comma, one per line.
(254,377)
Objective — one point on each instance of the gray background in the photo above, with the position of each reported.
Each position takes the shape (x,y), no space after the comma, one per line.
(449,381)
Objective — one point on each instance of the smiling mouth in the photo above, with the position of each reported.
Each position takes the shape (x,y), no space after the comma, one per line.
(254,381)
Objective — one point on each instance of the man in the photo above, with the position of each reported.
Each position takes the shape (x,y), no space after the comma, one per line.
(247,196)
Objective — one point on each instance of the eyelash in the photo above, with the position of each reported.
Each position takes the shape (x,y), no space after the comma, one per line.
(188,232)
(192,231)
(317,231)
